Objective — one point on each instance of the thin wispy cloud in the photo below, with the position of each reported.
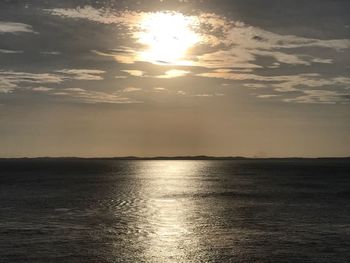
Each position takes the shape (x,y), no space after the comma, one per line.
(53,53)
(15,28)
(169,74)
(131,89)
(8,51)
(321,96)
(159,89)
(122,55)
(95,97)
(42,89)
(83,74)
(11,80)
(284,83)
(267,96)
(99,15)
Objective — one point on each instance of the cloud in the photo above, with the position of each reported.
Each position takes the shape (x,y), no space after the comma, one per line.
(321,96)
(237,44)
(11,80)
(131,89)
(54,53)
(75,89)
(173,73)
(42,89)
(208,95)
(6,85)
(95,97)
(267,96)
(252,38)
(255,85)
(124,55)
(291,59)
(7,51)
(203,95)
(240,45)
(135,73)
(15,28)
(102,15)
(159,89)
(83,74)
(235,52)
(292,83)
(281,83)
(227,58)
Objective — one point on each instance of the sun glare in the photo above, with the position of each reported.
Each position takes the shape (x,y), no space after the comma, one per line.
(167,36)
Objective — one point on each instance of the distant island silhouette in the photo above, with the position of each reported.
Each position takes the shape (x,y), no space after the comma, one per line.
(199,157)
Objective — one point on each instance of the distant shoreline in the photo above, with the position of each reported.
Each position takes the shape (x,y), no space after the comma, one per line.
(167,158)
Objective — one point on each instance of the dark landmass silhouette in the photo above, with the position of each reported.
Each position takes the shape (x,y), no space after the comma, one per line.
(199,157)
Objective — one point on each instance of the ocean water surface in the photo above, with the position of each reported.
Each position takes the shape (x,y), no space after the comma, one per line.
(61,210)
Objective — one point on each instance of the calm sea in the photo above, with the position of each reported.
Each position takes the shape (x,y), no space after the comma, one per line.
(174,211)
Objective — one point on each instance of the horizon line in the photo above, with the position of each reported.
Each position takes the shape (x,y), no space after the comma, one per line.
(179,157)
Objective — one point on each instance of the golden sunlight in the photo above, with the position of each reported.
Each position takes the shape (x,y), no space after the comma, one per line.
(168,37)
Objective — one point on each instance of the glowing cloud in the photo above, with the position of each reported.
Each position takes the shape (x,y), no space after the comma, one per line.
(168,37)
(174,73)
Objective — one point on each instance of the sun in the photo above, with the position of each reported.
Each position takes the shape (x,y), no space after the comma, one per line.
(167,36)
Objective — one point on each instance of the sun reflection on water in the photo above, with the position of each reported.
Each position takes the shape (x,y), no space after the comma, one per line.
(171,231)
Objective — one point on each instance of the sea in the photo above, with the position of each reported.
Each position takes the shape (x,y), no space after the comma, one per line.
(96,210)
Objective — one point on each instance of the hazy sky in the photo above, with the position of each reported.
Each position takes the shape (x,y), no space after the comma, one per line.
(150,78)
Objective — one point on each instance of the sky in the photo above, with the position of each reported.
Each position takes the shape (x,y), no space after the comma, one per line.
(175,77)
